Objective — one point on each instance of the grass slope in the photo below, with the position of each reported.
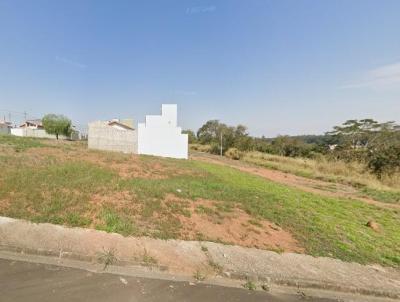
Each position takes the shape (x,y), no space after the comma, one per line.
(44,189)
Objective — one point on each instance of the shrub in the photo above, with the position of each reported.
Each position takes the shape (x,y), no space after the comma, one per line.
(233,153)
(385,161)
(200,148)
(216,149)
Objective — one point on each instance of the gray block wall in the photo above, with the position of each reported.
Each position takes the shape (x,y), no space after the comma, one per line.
(103,137)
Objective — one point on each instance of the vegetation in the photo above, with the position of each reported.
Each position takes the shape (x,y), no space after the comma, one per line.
(234,153)
(351,173)
(362,153)
(250,285)
(57,125)
(70,185)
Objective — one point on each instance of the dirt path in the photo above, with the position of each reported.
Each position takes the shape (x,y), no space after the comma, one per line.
(306,184)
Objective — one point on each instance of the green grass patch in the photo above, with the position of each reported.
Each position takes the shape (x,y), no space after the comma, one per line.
(114,222)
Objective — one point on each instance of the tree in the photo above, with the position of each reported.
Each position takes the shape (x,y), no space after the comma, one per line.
(383,157)
(57,125)
(356,133)
(212,131)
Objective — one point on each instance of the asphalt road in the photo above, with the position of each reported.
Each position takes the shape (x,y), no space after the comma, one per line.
(26,281)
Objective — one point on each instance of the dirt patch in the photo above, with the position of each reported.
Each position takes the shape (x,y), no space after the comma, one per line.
(120,199)
(123,201)
(208,222)
(306,184)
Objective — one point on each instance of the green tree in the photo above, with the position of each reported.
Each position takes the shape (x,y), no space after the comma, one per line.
(212,132)
(383,156)
(356,133)
(57,125)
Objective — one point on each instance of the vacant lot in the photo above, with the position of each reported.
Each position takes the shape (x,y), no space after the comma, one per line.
(64,183)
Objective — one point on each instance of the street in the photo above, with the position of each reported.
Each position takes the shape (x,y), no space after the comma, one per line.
(26,281)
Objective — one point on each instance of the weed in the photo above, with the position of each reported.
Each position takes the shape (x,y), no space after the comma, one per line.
(148,259)
(199,276)
(250,285)
(107,257)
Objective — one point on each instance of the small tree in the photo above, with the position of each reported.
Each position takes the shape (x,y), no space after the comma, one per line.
(57,124)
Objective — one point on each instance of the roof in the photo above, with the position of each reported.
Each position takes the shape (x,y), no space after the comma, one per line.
(111,123)
(36,122)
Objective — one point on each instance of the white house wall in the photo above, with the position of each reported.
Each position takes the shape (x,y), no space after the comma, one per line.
(160,136)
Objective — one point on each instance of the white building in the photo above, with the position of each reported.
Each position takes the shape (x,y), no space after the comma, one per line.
(161,136)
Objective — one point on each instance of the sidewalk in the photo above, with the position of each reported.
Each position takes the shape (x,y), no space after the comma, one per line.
(189,258)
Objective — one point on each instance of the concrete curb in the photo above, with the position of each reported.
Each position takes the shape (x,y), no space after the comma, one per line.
(185,258)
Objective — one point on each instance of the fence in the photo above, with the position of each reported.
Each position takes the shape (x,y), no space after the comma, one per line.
(104,137)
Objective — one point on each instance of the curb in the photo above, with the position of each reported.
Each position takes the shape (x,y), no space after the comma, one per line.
(183,258)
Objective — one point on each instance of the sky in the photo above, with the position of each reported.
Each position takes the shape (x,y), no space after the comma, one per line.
(278,67)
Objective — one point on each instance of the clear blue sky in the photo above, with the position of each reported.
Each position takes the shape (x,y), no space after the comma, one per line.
(279,67)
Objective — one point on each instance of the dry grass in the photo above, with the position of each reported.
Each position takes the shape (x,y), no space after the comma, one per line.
(352,173)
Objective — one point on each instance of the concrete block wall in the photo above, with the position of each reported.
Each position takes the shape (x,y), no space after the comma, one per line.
(103,137)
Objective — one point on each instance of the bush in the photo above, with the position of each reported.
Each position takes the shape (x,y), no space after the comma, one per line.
(385,161)
(234,153)
(200,148)
(216,149)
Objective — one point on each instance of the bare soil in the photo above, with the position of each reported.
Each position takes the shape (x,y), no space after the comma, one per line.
(208,222)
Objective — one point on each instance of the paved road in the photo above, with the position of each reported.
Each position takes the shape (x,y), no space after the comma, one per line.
(25,281)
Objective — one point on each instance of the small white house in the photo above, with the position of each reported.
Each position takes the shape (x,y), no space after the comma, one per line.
(161,136)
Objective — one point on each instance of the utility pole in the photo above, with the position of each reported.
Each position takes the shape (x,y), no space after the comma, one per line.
(221,143)
(25,116)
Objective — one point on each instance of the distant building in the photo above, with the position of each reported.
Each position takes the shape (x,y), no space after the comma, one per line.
(34,128)
(159,135)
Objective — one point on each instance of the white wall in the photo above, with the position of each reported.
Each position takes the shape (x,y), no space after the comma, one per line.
(18,131)
(160,136)
(39,133)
